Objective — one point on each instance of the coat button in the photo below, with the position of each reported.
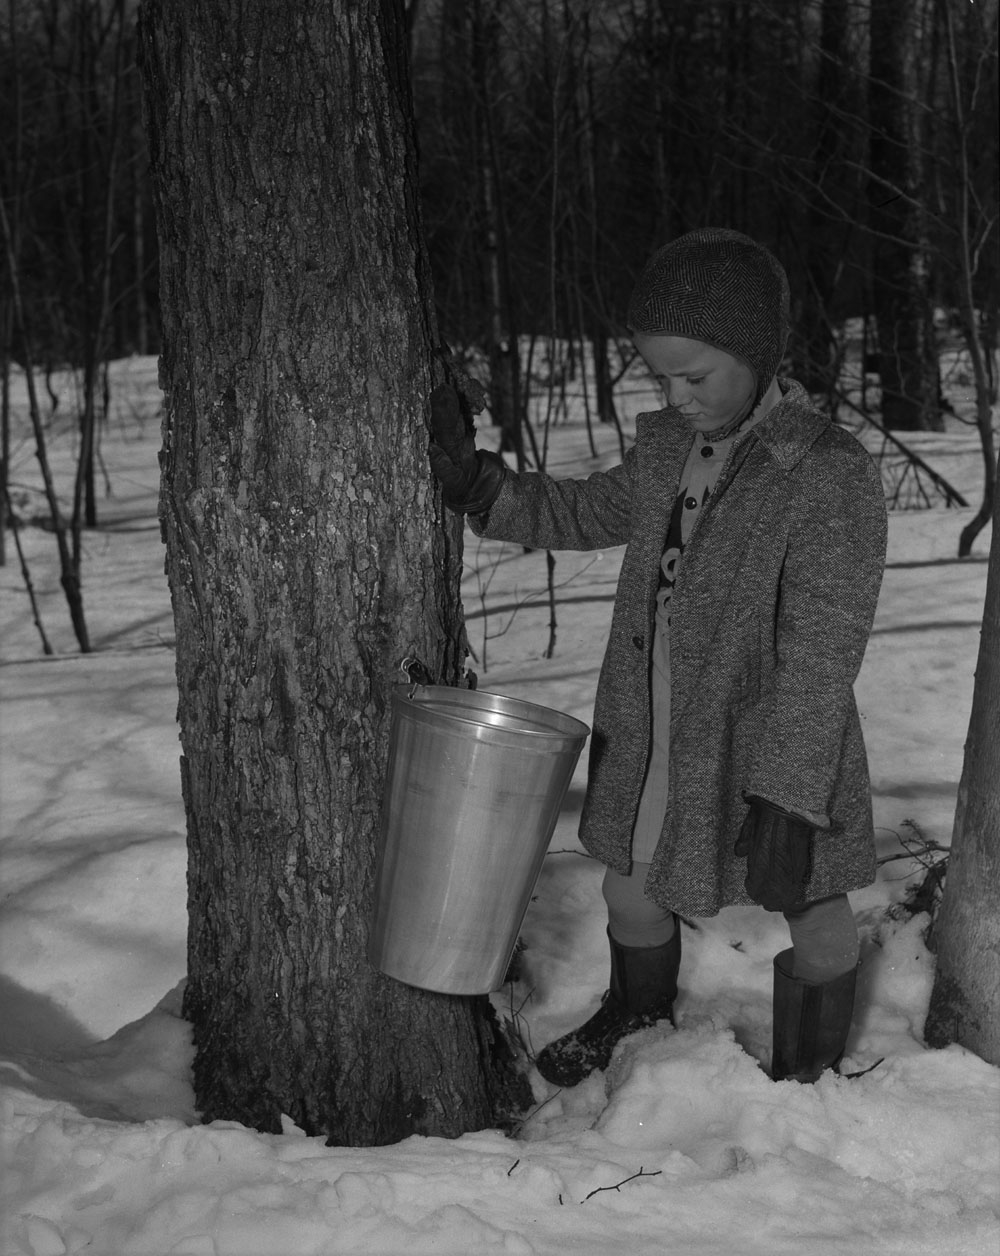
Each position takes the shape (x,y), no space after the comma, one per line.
(638,641)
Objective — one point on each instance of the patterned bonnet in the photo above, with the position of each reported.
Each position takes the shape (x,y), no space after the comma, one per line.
(722,288)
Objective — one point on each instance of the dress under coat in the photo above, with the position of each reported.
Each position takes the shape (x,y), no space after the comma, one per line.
(770,617)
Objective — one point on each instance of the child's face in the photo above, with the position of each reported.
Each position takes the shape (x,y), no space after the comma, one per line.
(710,387)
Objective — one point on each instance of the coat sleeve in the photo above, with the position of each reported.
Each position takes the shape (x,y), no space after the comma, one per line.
(827,595)
(540,512)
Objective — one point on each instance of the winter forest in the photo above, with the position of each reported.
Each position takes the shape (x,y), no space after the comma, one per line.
(241,244)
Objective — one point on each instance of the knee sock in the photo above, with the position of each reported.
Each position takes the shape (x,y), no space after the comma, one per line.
(824,939)
(824,934)
(633,920)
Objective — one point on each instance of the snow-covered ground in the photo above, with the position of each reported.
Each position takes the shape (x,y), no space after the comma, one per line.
(683,1146)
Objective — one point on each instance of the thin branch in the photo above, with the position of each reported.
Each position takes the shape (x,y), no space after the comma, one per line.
(618,1185)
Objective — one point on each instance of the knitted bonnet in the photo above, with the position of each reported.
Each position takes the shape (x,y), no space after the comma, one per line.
(722,288)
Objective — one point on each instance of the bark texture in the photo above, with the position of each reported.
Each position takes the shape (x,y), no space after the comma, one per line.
(965,1000)
(305,552)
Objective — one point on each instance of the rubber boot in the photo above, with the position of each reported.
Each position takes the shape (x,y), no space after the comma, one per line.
(811,1021)
(643,990)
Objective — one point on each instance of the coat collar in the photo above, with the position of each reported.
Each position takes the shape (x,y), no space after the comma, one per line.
(791,429)
(787,432)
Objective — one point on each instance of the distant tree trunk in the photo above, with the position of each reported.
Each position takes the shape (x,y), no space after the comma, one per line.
(139,175)
(99,50)
(597,322)
(965,1000)
(503,347)
(306,556)
(975,224)
(6,334)
(69,567)
(901,262)
(813,343)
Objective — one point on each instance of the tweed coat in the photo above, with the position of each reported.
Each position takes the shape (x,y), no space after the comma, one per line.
(770,617)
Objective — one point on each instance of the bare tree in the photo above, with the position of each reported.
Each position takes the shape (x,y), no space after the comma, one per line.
(901,273)
(972,88)
(965,1000)
(94,99)
(69,563)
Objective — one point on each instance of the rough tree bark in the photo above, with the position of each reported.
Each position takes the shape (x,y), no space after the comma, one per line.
(965,1000)
(306,556)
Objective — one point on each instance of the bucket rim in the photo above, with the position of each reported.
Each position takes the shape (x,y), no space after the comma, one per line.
(573,727)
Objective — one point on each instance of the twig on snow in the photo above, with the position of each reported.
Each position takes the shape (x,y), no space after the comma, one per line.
(618,1185)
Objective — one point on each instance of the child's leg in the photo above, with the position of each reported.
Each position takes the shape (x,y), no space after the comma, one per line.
(632,919)
(824,939)
(645,949)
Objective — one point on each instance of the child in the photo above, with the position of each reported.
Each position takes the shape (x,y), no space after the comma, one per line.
(726,763)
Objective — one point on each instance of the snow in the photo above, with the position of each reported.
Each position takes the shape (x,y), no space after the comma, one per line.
(683,1146)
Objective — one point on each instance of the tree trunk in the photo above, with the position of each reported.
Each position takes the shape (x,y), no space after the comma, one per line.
(965,1000)
(503,342)
(968,254)
(813,344)
(306,556)
(6,361)
(901,262)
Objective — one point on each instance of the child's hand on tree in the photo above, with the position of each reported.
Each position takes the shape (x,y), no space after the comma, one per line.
(470,478)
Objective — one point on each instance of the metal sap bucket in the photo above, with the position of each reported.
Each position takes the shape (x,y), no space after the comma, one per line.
(474,786)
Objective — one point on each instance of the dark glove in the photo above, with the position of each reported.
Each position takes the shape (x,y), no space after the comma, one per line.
(778,849)
(470,478)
